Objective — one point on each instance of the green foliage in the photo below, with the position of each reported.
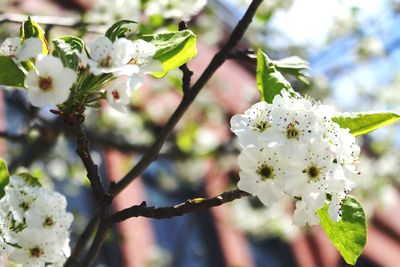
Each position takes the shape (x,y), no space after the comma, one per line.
(293,66)
(118,29)
(173,49)
(363,123)
(349,235)
(13,76)
(4,176)
(29,179)
(30,29)
(67,49)
(270,81)
(185,139)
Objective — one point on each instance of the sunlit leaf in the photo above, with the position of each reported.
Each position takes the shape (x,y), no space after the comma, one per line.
(173,49)
(30,29)
(270,81)
(119,29)
(67,49)
(363,123)
(349,235)
(4,176)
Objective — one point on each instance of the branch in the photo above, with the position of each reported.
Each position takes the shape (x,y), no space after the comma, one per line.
(188,98)
(73,260)
(51,21)
(177,210)
(73,122)
(100,236)
(187,73)
(13,137)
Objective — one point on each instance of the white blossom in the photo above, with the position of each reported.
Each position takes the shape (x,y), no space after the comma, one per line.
(37,247)
(256,121)
(48,212)
(118,94)
(50,82)
(36,231)
(317,159)
(111,57)
(262,171)
(12,47)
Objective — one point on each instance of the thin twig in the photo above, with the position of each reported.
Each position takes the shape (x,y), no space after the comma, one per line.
(99,238)
(73,122)
(80,245)
(52,21)
(187,73)
(177,210)
(13,137)
(188,98)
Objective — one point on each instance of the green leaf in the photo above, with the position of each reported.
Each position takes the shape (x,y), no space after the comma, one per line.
(173,49)
(30,29)
(10,73)
(349,235)
(186,138)
(270,82)
(119,29)
(29,179)
(363,123)
(67,49)
(4,176)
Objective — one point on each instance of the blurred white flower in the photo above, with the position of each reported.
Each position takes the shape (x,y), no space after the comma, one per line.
(12,47)
(50,82)
(174,9)
(107,12)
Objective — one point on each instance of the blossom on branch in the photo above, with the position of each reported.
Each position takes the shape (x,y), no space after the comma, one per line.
(294,147)
(49,82)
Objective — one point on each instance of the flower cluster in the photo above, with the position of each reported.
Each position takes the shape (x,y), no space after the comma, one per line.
(125,59)
(107,69)
(34,224)
(292,147)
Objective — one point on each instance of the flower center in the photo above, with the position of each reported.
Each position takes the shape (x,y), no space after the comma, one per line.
(313,173)
(45,83)
(48,222)
(261,126)
(116,94)
(24,206)
(265,172)
(134,61)
(292,132)
(105,62)
(36,252)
